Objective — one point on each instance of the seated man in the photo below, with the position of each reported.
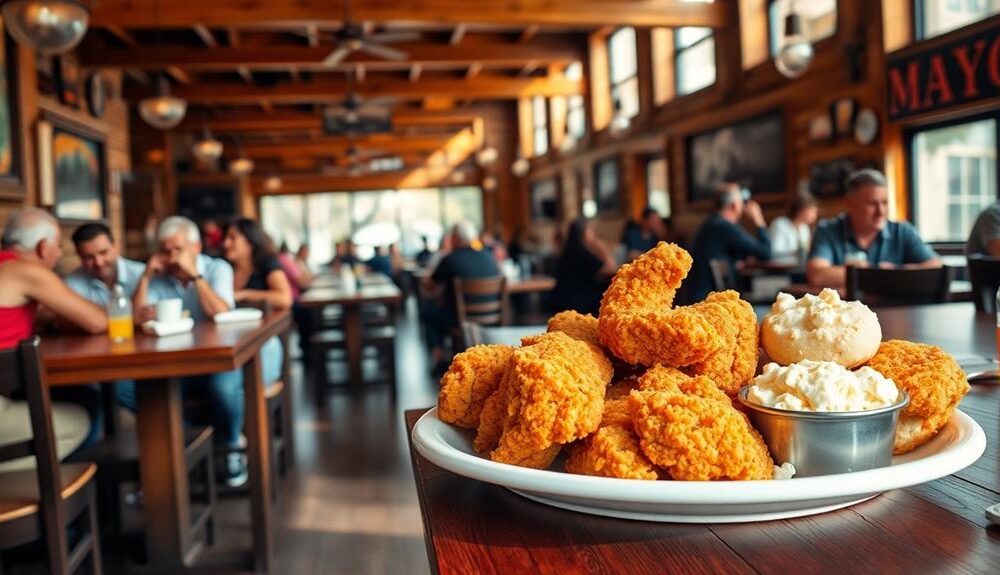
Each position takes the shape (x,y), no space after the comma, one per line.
(642,236)
(464,261)
(722,238)
(30,250)
(205,285)
(984,240)
(863,236)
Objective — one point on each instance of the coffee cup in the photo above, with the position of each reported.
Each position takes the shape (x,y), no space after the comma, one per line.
(168,310)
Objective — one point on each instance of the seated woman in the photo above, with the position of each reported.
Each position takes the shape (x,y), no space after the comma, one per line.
(583,270)
(792,234)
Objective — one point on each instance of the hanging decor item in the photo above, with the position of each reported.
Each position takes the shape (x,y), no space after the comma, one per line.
(241,166)
(162,111)
(207,149)
(521,165)
(489,183)
(48,27)
(487,155)
(272,184)
(796,52)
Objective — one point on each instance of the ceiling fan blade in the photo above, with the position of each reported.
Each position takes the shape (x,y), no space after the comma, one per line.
(394,37)
(380,101)
(384,52)
(336,56)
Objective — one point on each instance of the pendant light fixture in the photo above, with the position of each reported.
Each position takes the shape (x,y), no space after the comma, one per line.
(487,155)
(272,184)
(242,166)
(162,111)
(48,27)
(521,165)
(207,149)
(796,52)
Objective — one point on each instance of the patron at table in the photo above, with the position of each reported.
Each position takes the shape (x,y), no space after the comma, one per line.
(640,237)
(984,240)
(583,270)
(863,236)
(791,235)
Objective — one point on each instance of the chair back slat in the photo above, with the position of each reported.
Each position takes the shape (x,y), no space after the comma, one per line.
(471,303)
(984,273)
(721,276)
(888,287)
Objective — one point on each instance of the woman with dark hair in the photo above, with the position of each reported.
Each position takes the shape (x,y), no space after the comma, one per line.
(582,270)
(791,235)
(257,274)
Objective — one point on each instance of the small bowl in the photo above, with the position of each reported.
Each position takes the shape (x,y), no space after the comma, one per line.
(827,442)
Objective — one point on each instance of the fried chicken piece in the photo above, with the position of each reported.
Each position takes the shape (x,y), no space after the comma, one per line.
(617,412)
(554,391)
(691,429)
(934,381)
(472,376)
(491,419)
(621,388)
(735,363)
(576,325)
(613,451)
(637,322)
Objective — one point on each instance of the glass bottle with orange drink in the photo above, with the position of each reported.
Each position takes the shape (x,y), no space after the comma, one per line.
(119,316)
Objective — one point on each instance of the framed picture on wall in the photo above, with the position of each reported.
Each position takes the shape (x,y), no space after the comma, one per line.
(607,195)
(72,170)
(829,179)
(68,80)
(750,153)
(11,183)
(544,199)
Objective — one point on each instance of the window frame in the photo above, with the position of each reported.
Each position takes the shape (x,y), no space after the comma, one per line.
(602,210)
(570,108)
(909,141)
(649,160)
(611,75)
(543,127)
(919,11)
(679,51)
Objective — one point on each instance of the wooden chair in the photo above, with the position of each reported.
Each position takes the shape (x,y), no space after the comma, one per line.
(984,273)
(721,276)
(378,341)
(41,503)
(888,287)
(484,301)
(279,408)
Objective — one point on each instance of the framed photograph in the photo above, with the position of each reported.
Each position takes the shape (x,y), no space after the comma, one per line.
(842,114)
(11,183)
(820,128)
(96,94)
(607,194)
(828,179)
(68,80)
(750,153)
(72,170)
(544,196)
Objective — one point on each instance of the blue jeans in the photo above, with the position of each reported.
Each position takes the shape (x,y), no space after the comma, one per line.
(224,390)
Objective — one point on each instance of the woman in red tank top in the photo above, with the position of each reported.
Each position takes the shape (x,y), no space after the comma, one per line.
(16,323)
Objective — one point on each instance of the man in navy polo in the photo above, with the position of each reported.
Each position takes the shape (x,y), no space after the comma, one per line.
(863,236)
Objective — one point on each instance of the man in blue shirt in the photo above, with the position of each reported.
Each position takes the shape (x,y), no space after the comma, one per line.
(642,236)
(722,238)
(101,266)
(863,236)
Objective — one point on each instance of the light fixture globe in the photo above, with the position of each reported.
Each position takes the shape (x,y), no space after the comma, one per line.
(49,27)
(272,184)
(207,149)
(520,167)
(796,52)
(162,111)
(241,167)
(487,156)
(489,183)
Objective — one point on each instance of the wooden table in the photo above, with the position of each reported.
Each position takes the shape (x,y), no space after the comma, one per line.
(156,364)
(335,293)
(960,290)
(534,283)
(937,527)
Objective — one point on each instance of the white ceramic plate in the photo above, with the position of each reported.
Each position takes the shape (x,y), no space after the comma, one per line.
(957,446)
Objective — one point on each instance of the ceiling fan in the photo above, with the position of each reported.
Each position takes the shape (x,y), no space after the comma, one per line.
(352,38)
(356,115)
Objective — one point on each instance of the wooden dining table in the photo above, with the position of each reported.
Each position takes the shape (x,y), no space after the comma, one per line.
(157,364)
(935,527)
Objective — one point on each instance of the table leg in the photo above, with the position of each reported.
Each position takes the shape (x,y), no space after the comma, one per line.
(163,471)
(258,456)
(353,332)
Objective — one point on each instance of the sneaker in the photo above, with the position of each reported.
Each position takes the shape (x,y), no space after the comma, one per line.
(236,470)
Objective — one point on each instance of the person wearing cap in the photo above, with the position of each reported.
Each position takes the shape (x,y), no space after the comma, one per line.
(722,238)
(863,236)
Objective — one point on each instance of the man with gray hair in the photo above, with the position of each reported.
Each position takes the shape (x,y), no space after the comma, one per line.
(30,251)
(467,259)
(863,236)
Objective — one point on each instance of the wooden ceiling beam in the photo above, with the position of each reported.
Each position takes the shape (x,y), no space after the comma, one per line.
(573,13)
(233,36)
(474,69)
(206,35)
(333,146)
(457,34)
(312,35)
(179,75)
(254,122)
(529,33)
(306,57)
(482,87)
(360,73)
(244,73)
(123,35)
(415,71)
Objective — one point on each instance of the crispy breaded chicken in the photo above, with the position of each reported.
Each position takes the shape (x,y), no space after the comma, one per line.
(735,363)
(617,412)
(491,419)
(554,395)
(934,381)
(621,388)
(691,429)
(472,376)
(576,325)
(613,451)
(637,322)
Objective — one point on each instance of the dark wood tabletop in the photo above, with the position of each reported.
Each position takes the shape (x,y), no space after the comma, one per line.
(533,283)
(335,293)
(936,527)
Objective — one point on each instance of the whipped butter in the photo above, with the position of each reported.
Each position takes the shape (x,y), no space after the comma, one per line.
(821,386)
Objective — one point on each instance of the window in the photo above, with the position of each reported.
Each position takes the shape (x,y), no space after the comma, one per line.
(954,175)
(624,73)
(819,20)
(935,17)
(694,59)
(540,125)
(576,112)
(606,187)
(657,194)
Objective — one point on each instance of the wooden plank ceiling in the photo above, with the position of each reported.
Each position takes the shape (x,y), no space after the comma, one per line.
(261,72)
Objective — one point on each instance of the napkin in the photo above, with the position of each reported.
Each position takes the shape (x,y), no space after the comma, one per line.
(238,314)
(162,328)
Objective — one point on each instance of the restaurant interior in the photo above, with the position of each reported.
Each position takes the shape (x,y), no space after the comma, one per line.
(360,193)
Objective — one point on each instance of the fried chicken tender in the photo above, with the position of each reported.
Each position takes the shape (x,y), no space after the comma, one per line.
(735,363)
(617,412)
(491,419)
(576,325)
(691,429)
(472,376)
(613,451)
(554,394)
(637,322)
(934,381)
(621,388)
